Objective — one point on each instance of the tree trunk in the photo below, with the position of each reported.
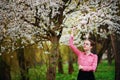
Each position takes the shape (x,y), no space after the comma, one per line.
(70,62)
(60,65)
(103,42)
(110,55)
(53,59)
(103,49)
(22,64)
(4,70)
(116,47)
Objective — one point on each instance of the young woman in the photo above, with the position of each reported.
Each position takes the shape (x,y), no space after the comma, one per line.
(87,61)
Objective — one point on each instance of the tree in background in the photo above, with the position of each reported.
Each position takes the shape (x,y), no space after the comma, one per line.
(99,18)
(14,36)
(28,22)
(42,18)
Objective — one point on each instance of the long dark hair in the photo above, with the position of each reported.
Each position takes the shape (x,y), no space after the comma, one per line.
(92,43)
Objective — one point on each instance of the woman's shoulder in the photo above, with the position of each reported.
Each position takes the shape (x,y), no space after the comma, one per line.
(95,55)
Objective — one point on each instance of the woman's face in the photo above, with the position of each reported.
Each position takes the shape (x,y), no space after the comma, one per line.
(87,45)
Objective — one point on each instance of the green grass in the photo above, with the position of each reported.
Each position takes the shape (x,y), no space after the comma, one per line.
(104,72)
(67,76)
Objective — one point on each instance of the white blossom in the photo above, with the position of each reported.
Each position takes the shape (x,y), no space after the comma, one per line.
(87,17)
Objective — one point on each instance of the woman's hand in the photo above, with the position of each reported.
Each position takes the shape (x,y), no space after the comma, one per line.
(80,67)
(73,31)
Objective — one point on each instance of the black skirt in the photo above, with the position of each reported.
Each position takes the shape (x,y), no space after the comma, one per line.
(85,75)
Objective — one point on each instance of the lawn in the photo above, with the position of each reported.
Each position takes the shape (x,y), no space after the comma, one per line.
(104,72)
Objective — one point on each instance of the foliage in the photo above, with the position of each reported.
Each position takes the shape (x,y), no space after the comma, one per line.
(91,14)
(99,17)
(25,22)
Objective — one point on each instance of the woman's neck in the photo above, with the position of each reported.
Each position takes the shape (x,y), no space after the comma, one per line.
(88,52)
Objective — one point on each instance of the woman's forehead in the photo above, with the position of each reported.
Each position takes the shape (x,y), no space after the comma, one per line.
(86,41)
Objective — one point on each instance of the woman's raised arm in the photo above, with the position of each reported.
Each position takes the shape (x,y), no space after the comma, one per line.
(71,44)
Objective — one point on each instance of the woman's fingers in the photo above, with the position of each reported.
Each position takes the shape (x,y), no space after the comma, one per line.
(80,67)
(73,30)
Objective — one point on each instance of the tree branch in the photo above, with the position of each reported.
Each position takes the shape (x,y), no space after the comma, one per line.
(75,9)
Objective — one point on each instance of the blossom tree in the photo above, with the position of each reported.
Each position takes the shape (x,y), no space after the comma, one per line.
(25,22)
(100,18)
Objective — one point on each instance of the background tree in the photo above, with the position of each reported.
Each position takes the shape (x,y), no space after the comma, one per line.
(28,22)
(99,18)
(45,16)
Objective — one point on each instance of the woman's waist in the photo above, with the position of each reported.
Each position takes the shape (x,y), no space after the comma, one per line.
(84,63)
(80,70)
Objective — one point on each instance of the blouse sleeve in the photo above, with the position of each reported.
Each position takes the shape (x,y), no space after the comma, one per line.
(93,66)
(73,47)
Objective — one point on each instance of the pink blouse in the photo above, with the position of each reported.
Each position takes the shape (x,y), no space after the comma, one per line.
(88,62)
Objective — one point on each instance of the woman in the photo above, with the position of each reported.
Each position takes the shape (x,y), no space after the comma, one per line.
(87,61)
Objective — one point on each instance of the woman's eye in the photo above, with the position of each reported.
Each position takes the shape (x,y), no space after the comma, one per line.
(86,44)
